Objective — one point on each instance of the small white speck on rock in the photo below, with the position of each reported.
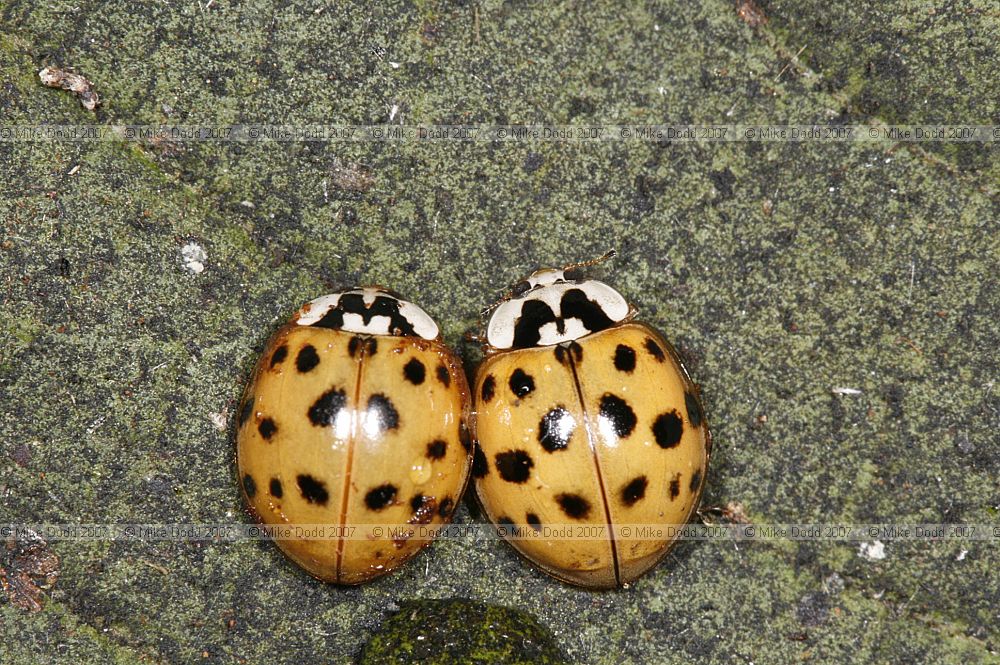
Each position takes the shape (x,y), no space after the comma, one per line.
(194,257)
(219,420)
(873,551)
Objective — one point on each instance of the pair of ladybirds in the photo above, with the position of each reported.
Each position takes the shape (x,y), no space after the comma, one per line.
(358,415)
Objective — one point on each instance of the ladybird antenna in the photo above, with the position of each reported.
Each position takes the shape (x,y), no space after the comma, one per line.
(485,311)
(610,254)
(504,296)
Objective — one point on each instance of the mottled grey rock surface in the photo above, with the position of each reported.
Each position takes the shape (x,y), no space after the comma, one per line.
(781,271)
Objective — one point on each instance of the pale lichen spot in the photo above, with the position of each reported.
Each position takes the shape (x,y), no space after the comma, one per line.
(194,256)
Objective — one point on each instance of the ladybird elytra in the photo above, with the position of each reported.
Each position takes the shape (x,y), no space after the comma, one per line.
(584,417)
(356,418)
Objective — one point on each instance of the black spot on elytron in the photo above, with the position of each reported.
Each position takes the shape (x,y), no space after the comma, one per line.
(560,353)
(267,428)
(565,352)
(381,409)
(312,490)
(514,465)
(249,486)
(418,501)
(635,490)
(617,412)
(668,428)
(625,358)
(521,383)
(436,449)
(675,487)
(443,376)
(447,504)
(655,350)
(480,467)
(573,505)
(275,488)
(424,508)
(354,303)
(488,389)
(534,522)
(279,356)
(246,411)
(695,481)
(555,429)
(380,497)
(325,409)
(463,436)
(307,359)
(693,407)
(505,521)
(414,371)
(359,343)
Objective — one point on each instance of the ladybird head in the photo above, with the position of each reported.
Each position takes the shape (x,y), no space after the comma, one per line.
(369,310)
(552,306)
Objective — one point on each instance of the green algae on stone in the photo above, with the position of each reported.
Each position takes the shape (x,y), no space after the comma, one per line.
(914,63)
(784,270)
(461,631)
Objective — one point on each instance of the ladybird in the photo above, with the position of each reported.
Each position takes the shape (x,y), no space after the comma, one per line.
(587,427)
(357,419)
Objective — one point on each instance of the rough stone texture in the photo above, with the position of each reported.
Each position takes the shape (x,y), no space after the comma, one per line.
(782,270)
(906,63)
